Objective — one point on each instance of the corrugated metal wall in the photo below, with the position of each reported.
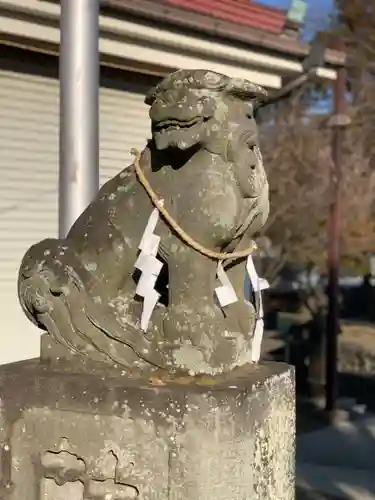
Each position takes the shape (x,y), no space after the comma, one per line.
(29,118)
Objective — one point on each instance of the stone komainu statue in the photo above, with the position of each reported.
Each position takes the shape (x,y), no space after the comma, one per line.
(128,287)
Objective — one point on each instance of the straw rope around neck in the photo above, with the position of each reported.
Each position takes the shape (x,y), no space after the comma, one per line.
(174,225)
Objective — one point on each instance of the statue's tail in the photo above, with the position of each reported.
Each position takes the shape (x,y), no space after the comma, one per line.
(53,296)
(42,280)
(35,279)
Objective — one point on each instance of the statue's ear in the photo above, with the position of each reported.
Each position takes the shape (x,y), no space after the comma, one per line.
(247,92)
(258,105)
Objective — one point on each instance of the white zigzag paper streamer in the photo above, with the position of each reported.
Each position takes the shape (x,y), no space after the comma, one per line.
(258,284)
(225,293)
(150,268)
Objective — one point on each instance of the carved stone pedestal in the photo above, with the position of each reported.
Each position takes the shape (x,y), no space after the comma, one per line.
(70,435)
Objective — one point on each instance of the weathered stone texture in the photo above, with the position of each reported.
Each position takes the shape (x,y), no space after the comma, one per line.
(89,290)
(101,435)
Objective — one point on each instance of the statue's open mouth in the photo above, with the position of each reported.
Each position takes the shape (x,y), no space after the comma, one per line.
(183,134)
(173,124)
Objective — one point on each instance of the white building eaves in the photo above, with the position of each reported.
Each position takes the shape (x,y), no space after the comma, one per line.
(38,22)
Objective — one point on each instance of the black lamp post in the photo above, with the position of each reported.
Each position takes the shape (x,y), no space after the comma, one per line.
(338,122)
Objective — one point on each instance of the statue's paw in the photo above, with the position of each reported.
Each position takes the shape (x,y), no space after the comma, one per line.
(203,340)
(192,322)
(240,317)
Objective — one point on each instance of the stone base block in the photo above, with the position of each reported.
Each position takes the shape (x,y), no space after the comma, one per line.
(65,434)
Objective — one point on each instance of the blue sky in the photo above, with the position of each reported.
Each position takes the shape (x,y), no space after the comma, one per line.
(317,14)
(285,3)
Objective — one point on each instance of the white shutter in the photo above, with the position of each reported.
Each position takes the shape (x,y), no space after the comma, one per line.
(124,124)
(29,119)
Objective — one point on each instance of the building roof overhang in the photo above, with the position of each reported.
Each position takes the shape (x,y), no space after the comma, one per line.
(269,40)
(135,43)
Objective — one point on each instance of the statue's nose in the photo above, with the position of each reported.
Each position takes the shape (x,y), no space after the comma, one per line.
(171,97)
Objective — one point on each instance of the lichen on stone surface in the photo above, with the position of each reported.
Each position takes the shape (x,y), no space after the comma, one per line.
(204,161)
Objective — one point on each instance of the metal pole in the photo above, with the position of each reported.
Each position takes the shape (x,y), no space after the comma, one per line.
(79,109)
(339,121)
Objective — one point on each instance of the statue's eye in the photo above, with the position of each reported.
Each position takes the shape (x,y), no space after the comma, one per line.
(252,147)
